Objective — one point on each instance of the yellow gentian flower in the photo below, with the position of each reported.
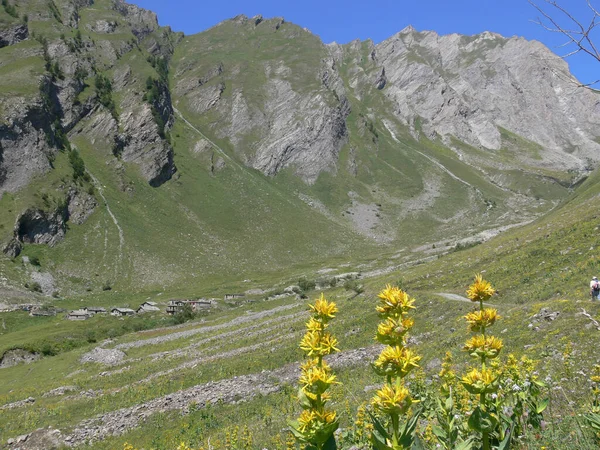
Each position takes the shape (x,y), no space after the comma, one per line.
(396,361)
(488,346)
(391,331)
(394,302)
(329,344)
(392,400)
(316,380)
(479,382)
(480,290)
(311,343)
(324,309)
(479,320)
(315,325)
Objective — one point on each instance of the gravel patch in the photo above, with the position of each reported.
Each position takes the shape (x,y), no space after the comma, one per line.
(106,356)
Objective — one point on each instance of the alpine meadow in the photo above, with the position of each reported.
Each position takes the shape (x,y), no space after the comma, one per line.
(247,238)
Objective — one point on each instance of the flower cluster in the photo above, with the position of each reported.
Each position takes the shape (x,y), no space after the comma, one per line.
(482,381)
(316,423)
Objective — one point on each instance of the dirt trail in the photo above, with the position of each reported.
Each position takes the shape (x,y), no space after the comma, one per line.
(215,146)
(100,190)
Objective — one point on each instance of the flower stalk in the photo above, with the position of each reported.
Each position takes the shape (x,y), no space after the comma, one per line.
(317,423)
(483,347)
(394,363)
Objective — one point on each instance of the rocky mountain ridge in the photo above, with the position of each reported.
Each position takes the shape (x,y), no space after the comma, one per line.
(392,142)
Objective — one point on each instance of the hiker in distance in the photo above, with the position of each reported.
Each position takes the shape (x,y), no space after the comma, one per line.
(595,288)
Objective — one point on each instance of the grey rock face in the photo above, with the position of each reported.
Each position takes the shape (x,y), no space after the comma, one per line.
(24,150)
(35,226)
(13,248)
(311,145)
(145,147)
(381,80)
(103,26)
(13,35)
(142,21)
(291,126)
(80,206)
(470,86)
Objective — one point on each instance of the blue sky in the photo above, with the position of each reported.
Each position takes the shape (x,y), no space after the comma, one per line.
(343,21)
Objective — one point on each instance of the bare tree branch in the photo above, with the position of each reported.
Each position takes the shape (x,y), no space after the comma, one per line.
(557,19)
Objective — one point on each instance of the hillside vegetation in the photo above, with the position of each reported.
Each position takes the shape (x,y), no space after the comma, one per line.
(138,164)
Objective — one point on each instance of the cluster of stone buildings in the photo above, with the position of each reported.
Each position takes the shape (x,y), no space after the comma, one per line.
(176,306)
(87,312)
(173,307)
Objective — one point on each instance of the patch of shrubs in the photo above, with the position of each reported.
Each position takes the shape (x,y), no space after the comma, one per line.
(185,314)
(79,172)
(33,286)
(104,93)
(463,246)
(354,285)
(10,9)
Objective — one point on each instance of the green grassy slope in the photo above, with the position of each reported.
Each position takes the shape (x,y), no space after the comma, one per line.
(555,281)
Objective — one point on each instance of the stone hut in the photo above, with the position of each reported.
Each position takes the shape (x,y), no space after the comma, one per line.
(122,312)
(148,307)
(78,314)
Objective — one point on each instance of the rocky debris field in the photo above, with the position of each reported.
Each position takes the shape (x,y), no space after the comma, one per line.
(231,391)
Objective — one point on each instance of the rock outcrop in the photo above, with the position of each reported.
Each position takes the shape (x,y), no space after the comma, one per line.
(17,356)
(141,21)
(24,143)
(80,206)
(35,226)
(13,35)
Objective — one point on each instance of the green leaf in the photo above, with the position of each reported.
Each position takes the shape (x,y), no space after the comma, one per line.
(505,444)
(481,421)
(379,442)
(542,406)
(464,445)
(418,444)
(330,444)
(378,425)
(325,433)
(293,425)
(439,433)
(407,434)
(594,420)
(449,404)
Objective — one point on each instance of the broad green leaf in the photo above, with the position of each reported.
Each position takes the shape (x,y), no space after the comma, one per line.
(542,406)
